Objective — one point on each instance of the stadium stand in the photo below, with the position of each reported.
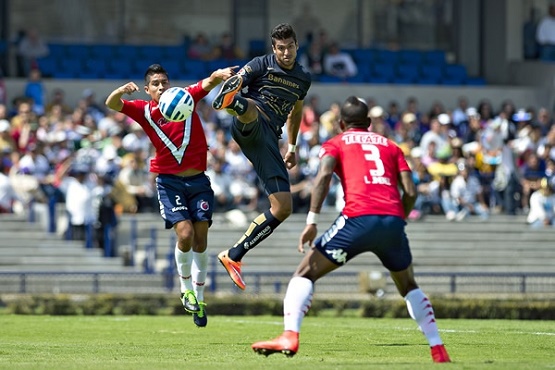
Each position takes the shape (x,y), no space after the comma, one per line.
(500,255)
(407,66)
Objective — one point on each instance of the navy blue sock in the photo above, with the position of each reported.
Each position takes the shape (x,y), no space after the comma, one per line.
(239,105)
(260,228)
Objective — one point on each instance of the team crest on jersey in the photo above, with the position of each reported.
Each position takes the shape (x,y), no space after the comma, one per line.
(162,121)
(203,205)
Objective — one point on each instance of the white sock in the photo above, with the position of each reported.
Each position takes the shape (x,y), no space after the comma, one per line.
(421,310)
(183,261)
(199,269)
(296,303)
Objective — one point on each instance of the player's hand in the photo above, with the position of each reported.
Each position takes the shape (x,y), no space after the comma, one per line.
(226,73)
(129,88)
(308,235)
(290,160)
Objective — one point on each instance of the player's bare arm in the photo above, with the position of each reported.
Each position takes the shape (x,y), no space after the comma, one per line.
(319,193)
(217,77)
(113,101)
(409,191)
(293,125)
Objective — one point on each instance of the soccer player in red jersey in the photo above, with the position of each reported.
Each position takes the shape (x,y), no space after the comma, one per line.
(373,220)
(184,192)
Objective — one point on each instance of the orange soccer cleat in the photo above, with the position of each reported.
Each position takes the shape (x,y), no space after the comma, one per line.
(229,88)
(233,268)
(439,353)
(287,343)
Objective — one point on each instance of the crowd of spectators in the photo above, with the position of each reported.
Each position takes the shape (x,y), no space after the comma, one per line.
(466,160)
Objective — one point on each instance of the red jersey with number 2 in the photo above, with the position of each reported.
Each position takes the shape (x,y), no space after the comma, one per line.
(179,145)
(368,165)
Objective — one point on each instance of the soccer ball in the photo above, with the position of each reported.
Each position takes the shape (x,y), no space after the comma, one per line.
(176,104)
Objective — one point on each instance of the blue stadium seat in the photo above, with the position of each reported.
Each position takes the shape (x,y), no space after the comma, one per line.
(174,52)
(363,55)
(57,50)
(64,75)
(434,57)
(151,51)
(404,80)
(453,81)
(387,56)
(359,78)
(386,71)
(126,51)
(99,66)
(410,56)
(101,51)
(194,67)
(431,72)
(48,65)
(212,65)
(476,81)
(71,66)
(89,75)
(120,67)
(378,80)
(428,80)
(139,65)
(454,72)
(408,71)
(78,51)
(173,67)
(257,47)
(330,79)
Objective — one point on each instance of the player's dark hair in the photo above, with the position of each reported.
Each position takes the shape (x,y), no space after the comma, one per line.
(154,69)
(283,31)
(354,113)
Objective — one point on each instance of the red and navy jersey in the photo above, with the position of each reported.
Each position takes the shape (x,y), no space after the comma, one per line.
(179,145)
(369,166)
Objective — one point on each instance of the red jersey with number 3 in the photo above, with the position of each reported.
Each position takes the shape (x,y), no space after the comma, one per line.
(368,165)
(179,145)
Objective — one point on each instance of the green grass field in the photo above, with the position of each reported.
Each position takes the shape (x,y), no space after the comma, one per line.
(173,342)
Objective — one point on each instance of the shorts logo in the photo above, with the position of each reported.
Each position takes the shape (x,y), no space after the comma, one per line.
(203,205)
(338,255)
(180,208)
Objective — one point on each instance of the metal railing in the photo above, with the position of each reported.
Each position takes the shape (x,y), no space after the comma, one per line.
(26,282)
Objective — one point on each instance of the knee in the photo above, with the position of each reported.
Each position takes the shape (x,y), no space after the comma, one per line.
(250,115)
(282,211)
(185,240)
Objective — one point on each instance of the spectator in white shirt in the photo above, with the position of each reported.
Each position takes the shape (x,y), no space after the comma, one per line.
(545,35)
(542,205)
(339,63)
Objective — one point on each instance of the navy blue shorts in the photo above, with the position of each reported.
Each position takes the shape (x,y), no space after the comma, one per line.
(260,144)
(185,198)
(382,235)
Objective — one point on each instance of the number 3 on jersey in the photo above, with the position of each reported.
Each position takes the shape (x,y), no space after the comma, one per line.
(372,154)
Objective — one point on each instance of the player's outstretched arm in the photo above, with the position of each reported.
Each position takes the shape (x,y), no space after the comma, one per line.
(293,125)
(217,77)
(409,191)
(113,101)
(319,193)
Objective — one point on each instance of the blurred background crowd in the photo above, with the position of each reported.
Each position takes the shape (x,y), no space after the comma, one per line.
(466,160)
(478,159)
